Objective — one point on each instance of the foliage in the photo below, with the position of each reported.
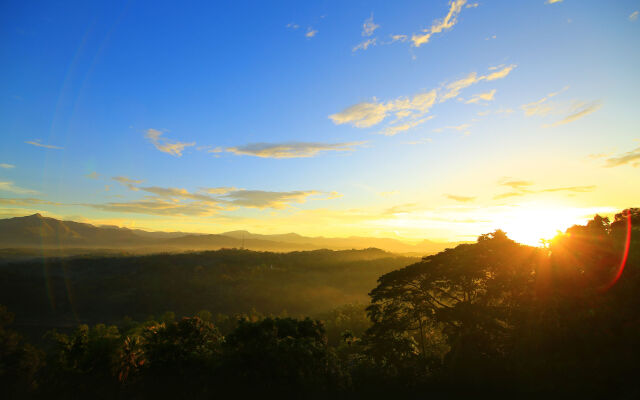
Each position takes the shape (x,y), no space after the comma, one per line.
(493,318)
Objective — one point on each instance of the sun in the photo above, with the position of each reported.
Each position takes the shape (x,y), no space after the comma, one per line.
(529,224)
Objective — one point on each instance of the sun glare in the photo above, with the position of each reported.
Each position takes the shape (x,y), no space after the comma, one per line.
(529,224)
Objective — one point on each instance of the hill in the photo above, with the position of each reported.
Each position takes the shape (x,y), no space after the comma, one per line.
(37,231)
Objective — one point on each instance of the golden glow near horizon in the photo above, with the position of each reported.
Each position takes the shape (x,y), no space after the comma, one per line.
(424,120)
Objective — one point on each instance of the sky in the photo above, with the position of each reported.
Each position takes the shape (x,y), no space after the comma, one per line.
(438,120)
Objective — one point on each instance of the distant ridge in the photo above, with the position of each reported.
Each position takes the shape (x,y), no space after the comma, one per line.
(39,231)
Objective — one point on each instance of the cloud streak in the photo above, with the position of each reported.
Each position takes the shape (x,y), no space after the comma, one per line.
(368,27)
(165,145)
(578,111)
(266,199)
(130,183)
(292,149)
(541,107)
(37,143)
(411,111)
(438,26)
(631,157)
(522,188)
(365,45)
(460,199)
(480,97)
(8,186)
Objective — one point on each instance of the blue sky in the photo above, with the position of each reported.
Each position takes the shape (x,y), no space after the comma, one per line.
(273,106)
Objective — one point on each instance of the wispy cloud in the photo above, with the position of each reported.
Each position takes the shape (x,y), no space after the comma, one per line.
(130,183)
(293,25)
(367,114)
(573,189)
(398,38)
(515,184)
(634,16)
(8,186)
(409,111)
(177,193)
(266,199)
(36,142)
(365,45)
(292,149)
(438,26)
(165,145)
(541,107)
(311,32)
(523,188)
(578,111)
(157,206)
(368,27)
(631,157)
(93,175)
(27,202)
(461,199)
(454,88)
(487,96)
(552,1)
(395,129)
(219,190)
(7,166)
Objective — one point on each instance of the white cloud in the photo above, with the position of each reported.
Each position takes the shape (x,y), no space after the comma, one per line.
(291,149)
(502,73)
(395,129)
(364,115)
(165,145)
(634,16)
(7,166)
(8,186)
(220,190)
(177,193)
(541,107)
(365,45)
(476,98)
(455,6)
(578,111)
(157,206)
(632,157)
(460,199)
(454,88)
(410,111)
(311,32)
(398,38)
(265,199)
(26,201)
(93,175)
(37,143)
(368,27)
(130,183)
(552,1)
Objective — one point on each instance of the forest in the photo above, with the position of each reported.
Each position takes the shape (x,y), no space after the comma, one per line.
(494,318)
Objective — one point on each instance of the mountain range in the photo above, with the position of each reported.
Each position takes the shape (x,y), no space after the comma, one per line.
(37,231)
